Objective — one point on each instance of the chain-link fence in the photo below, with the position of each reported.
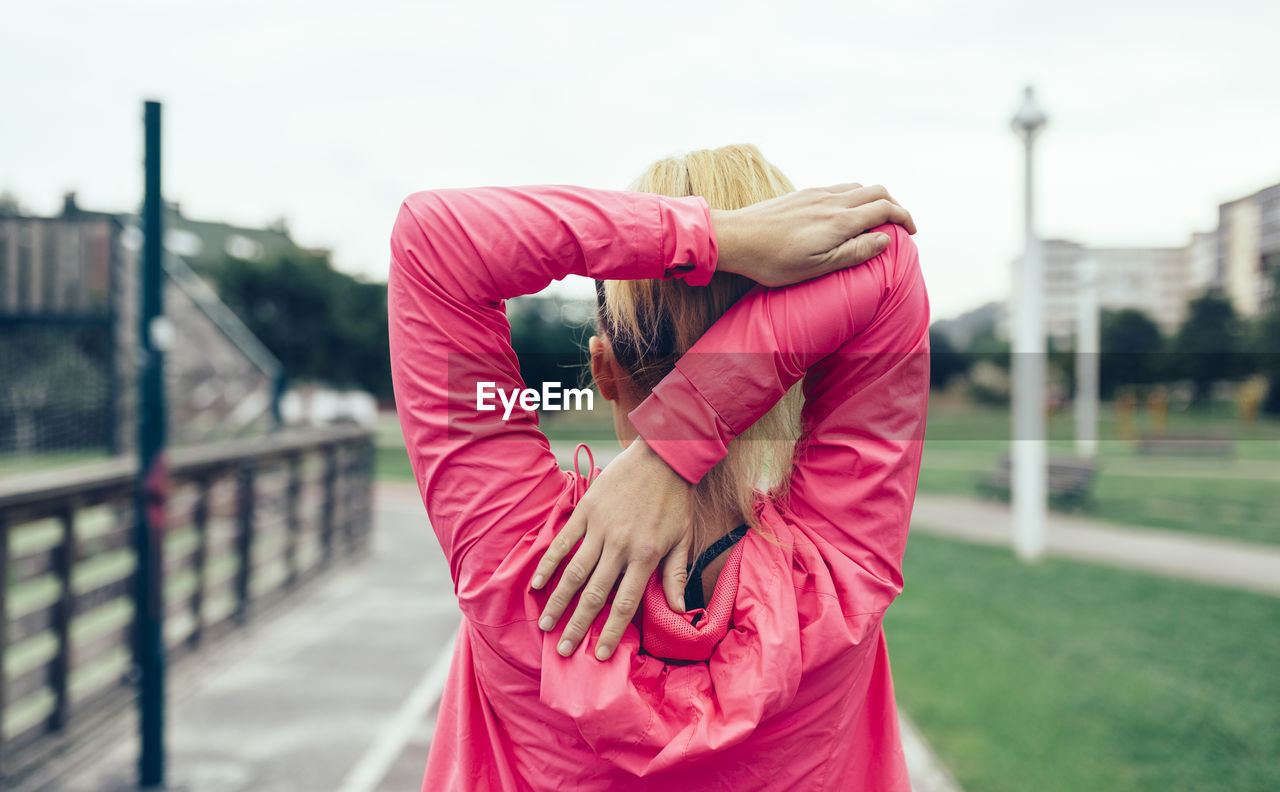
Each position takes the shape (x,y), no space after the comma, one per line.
(57,390)
(59,377)
(68,333)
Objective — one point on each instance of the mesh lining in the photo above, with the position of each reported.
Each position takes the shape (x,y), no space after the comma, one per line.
(673,636)
(693,584)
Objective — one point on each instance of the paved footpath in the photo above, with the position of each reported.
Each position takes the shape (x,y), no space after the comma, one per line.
(334,691)
(1198,557)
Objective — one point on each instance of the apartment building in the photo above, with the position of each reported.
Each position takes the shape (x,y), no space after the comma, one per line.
(1157,281)
(1248,250)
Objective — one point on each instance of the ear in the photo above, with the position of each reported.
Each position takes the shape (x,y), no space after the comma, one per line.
(602,367)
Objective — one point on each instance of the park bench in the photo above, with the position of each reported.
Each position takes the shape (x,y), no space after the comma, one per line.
(1070,481)
(1187,445)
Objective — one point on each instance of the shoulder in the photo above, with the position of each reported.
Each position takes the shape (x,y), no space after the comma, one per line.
(888,287)
(905,297)
(901,259)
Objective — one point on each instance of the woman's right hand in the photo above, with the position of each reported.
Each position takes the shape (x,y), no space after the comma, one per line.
(635,515)
(805,234)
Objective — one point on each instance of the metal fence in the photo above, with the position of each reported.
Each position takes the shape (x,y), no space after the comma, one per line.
(69,361)
(60,361)
(247,522)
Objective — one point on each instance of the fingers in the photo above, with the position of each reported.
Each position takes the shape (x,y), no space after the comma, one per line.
(592,600)
(860,195)
(564,541)
(576,572)
(878,197)
(675,572)
(876,213)
(623,610)
(858,250)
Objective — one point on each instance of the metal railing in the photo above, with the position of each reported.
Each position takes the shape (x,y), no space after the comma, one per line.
(247,521)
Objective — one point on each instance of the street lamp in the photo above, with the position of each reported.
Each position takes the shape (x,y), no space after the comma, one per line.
(1029,482)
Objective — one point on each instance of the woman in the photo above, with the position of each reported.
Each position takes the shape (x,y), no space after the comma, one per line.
(781,679)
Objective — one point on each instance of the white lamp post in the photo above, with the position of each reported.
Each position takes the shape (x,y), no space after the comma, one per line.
(1087,351)
(1029,482)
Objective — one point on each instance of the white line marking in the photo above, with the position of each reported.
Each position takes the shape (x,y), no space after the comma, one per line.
(382,753)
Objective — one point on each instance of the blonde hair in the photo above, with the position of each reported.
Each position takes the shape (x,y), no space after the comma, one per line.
(651,323)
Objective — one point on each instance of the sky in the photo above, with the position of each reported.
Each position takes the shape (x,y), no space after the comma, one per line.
(329,114)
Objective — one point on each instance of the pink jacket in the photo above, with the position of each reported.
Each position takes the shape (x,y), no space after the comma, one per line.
(785,683)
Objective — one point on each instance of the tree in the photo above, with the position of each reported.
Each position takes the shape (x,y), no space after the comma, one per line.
(945,361)
(986,346)
(549,336)
(1131,347)
(322,324)
(1266,347)
(328,326)
(361,336)
(9,205)
(1208,346)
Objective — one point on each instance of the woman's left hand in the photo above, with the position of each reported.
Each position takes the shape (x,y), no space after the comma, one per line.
(634,516)
(806,234)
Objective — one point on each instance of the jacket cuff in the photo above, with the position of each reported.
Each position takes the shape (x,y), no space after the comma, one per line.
(683,428)
(689,246)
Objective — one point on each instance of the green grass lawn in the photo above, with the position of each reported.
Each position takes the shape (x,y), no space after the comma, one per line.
(1240,509)
(1236,496)
(391,463)
(1068,676)
(958,423)
(17,464)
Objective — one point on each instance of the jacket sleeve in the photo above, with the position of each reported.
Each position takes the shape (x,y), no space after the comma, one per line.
(859,339)
(456,256)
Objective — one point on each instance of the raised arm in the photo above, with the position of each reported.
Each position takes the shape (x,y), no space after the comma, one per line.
(456,256)
(859,339)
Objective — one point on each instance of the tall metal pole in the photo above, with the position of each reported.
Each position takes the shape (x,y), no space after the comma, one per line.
(152,490)
(1087,350)
(1029,490)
